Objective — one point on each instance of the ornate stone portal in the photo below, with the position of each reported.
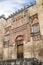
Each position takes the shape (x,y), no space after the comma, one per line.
(19,43)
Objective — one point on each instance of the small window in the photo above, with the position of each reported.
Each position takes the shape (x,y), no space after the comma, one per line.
(6,38)
(6,44)
(35,28)
(36,31)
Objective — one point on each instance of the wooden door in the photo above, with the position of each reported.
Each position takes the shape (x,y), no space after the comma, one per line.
(20,51)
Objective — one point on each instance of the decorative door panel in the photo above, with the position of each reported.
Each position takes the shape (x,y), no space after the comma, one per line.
(20,51)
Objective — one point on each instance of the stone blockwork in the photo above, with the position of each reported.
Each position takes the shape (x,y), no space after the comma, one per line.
(24,27)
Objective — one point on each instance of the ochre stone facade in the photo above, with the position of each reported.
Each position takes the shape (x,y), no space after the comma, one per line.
(23,33)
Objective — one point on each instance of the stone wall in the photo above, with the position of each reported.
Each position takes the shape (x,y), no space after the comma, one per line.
(31,48)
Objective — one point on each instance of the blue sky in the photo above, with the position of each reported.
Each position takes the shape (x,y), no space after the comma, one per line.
(7,7)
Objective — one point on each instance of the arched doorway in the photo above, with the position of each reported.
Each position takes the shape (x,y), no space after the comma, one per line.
(19,43)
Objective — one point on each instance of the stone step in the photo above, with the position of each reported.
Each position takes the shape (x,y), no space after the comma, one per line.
(20,62)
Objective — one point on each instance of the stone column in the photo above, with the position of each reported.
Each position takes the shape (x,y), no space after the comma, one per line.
(1,51)
(27,49)
(1,46)
(14,52)
(40,17)
(40,14)
(5,53)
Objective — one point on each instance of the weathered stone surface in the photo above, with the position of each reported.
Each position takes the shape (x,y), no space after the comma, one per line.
(21,25)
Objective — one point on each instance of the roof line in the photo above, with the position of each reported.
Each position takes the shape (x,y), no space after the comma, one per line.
(19,11)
